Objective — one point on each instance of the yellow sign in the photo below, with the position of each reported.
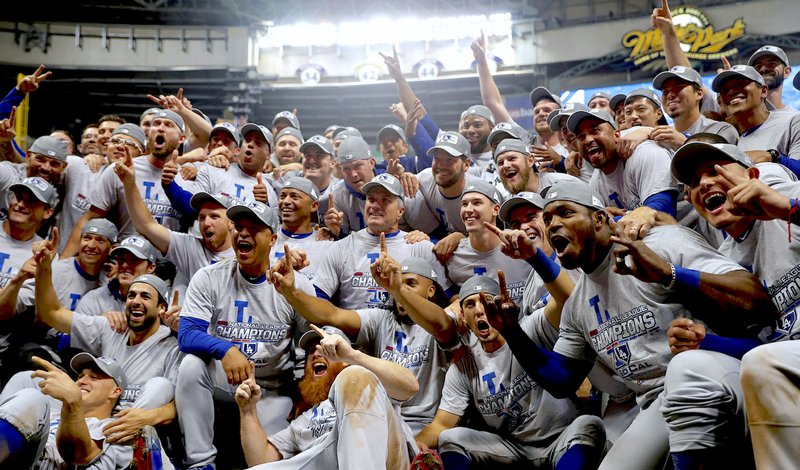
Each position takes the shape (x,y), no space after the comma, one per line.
(699,40)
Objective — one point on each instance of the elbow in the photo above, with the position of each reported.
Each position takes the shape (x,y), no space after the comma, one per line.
(409,390)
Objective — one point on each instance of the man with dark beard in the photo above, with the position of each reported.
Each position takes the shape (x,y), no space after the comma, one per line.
(517,170)
(773,65)
(108,200)
(336,429)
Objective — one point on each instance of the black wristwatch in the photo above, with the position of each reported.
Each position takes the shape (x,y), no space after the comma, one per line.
(776,156)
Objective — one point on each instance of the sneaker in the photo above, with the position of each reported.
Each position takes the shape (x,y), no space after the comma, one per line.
(427,460)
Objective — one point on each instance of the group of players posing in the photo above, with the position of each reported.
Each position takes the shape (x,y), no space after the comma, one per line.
(656,282)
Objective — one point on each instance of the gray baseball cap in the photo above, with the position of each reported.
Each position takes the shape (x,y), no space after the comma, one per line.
(558,118)
(318,141)
(40,188)
(289,116)
(505,130)
(650,95)
(599,94)
(616,100)
(387,181)
(391,129)
(511,145)
(573,191)
(574,120)
(304,185)
(482,187)
(228,128)
(258,210)
(289,131)
(202,197)
(310,336)
(539,93)
(156,283)
(172,116)
(133,131)
(686,74)
(690,156)
(148,112)
(479,110)
(736,71)
(477,284)
(345,132)
(253,127)
(520,199)
(50,146)
(333,128)
(419,266)
(203,115)
(353,148)
(453,143)
(107,365)
(138,247)
(102,227)
(769,50)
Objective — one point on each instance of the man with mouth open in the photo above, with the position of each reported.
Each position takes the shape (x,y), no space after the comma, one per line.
(619,313)
(358,168)
(518,172)
(318,165)
(233,317)
(337,426)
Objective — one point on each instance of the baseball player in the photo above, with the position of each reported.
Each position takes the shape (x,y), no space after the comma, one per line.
(60,424)
(522,422)
(619,313)
(358,168)
(600,99)
(47,159)
(233,316)
(345,270)
(284,119)
(558,124)
(318,163)
(517,170)
(339,430)
(773,65)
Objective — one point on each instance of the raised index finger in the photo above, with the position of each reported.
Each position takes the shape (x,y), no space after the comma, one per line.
(38,70)
(730,176)
(383,243)
(319,331)
(46,365)
(12,118)
(501,279)
(54,238)
(330,201)
(175,296)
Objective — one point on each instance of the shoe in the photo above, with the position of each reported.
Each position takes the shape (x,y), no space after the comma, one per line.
(146,450)
(427,460)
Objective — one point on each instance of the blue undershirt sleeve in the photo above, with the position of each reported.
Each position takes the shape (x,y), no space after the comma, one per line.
(734,347)
(13,98)
(180,199)
(193,338)
(430,126)
(665,201)
(790,163)
(321,294)
(421,142)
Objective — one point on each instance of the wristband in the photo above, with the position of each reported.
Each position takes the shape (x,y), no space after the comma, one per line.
(688,278)
(547,269)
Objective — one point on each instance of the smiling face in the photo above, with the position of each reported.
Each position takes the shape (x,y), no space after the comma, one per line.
(515,170)
(89,143)
(164,138)
(48,168)
(117,145)
(543,109)
(641,111)
(143,307)
(680,98)
(477,209)
(741,95)
(773,70)
(384,211)
(94,249)
(357,173)
(708,192)
(576,232)
(25,211)
(129,266)
(215,227)
(97,389)
(222,138)
(476,130)
(296,207)
(252,242)
(104,131)
(448,170)
(420,285)
(287,150)
(599,102)
(528,218)
(597,143)
(254,153)
(317,165)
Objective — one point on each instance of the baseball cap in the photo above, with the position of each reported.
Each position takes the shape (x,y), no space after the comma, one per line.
(353,148)
(318,141)
(148,112)
(172,116)
(138,246)
(650,95)
(387,181)
(333,128)
(345,132)
(156,283)
(107,365)
(686,74)
(102,227)
(289,116)
(304,185)
(50,146)
(736,71)
(392,129)
(310,336)
(419,266)
(258,210)
(40,188)
(453,143)
(769,50)
(230,129)
(558,118)
(511,145)
(289,131)
(573,191)
(201,197)
(202,115)
(519,199)
(616,100)
(539,93)
(477,284)
(599,94)
(133,131)
(690,156)
(505,130)
(479,110)
(574,120)
(482,187)
(253,127)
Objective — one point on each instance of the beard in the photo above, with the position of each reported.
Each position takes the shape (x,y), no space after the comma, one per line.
(480,146)
(146,323)
(522,182)
(773,83)
(315,390)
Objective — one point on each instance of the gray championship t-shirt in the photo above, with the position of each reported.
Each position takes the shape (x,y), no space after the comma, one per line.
(467,262)
(447,211)
(13,254)
(781,131)
(101,300)
(704,124)
(305,430)
(232,182)
(189,254)
(78,183)
(315,249)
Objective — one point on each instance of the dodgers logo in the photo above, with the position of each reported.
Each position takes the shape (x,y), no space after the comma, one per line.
(248,349)
(622,355)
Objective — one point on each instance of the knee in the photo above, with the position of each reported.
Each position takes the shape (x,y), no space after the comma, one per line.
(191,369)
(758,369)
(700,367)
(352,380)
(453,439)
(589,429)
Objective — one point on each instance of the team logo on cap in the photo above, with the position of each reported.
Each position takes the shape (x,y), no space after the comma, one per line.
(739,68)
(318,139)
(257,207)
(679,69)
(385,177)
(501,148)
(38,183)
(93,229)
(135,241)
(552,194)
(51,153)
(449,138)
(503,125)
(596,201)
